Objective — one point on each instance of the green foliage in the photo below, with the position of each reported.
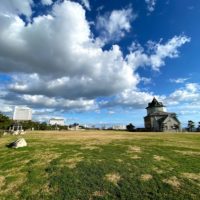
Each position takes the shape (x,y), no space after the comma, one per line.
(5,122)
(198,128)
(191,125)
(130,127)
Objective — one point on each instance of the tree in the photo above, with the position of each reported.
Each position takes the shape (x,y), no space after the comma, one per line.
(191,125)
(5,121)
(130,127)
(43,126)
(29,125)
(198,128)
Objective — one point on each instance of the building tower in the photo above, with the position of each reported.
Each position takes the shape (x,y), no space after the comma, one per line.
(158,119)
(155,106)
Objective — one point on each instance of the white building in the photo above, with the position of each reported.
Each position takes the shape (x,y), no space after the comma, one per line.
(22,113)
(119,127)
(57,121)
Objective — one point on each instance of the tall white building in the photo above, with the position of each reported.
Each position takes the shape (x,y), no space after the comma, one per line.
(22,113)
(57,121)
(119,127)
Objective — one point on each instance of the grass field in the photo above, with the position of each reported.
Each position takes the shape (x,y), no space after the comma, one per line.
(86,165)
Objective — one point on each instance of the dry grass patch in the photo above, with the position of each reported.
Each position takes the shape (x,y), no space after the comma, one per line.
(71,162)
(44,158)
(173,181)
(119,160)
(13,171)
(97,194)
(157,170)
(14,185)
(97,137)
(88,147)
(134,149)
(135,157)
(146,177)
(113,178)
(188,153)
(2,181)
(159,158)
(192,176)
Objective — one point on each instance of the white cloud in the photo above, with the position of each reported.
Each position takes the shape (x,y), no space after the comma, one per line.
(130,98)
(86,4)
(151,5)
(146,80)
(47,2)
(135,98)
(55,62)
(111,112)
(113,26)
(190,92)
(67,61)
(12,7)
(43,101)
(159,53)
(105,82)
(179,80)
(169,49)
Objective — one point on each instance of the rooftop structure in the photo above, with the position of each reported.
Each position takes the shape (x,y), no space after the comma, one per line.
(119,127)
(57,121)
(22,114)
(155,106)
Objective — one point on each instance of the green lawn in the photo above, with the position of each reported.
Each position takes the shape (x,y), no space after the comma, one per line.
(101,165)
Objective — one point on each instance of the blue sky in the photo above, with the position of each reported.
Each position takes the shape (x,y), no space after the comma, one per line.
(100,61)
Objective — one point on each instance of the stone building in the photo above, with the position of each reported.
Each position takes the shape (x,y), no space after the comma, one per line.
(158,119)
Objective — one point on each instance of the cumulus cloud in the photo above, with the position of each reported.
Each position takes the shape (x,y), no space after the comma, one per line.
(59,103)
(55,62)
(151,5)
(114,25)
(47,2)
(67,62)
(190,92)
(134,98)
(12,7)
(159,53)
(130,98)
(83,85)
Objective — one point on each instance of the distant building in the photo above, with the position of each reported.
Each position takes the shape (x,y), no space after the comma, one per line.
(22,113)
(57,121)
(119,127)
(158,119)
(75,127)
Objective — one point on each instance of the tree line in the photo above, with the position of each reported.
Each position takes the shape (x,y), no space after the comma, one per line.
(192,127)
(6,122)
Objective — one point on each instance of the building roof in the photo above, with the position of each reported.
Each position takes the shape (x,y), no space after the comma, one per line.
(155,103)
(171,115)
(162,113)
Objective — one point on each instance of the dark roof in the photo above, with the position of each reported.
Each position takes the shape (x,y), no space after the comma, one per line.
(171,115)
(155,103)
(161,120)
(160,113)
